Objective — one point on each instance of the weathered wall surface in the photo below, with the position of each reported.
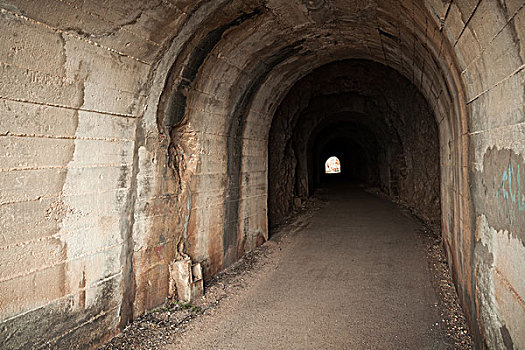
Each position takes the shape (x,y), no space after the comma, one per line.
(68,124)
(390,120)
(488,38)
(135,131)
(74,80)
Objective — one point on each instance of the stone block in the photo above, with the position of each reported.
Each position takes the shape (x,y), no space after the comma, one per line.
(502,56)
(26,221)
(501,106)
(39,288)
(21,260)
(93,64)
(454,23)
(487,21)
(467,48)
(27,85)
(27,118)
(30,185)
(28,45)
(52,324)
(32,153)
(86,25)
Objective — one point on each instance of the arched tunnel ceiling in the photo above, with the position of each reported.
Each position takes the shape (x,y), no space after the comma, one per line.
(242,43)
(366,93)
(278,42)
(194,86)
(365,102)
(360,132)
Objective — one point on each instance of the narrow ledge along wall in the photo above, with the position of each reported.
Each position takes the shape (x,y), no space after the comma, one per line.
(103,184)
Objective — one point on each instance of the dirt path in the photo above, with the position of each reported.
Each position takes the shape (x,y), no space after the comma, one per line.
(356,277)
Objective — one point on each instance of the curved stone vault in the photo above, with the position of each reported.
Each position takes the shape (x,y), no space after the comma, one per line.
(136,132)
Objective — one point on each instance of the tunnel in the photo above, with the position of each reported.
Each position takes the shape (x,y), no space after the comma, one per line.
(138,133)
(373,120)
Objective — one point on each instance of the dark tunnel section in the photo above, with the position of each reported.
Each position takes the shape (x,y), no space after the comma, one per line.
(370,117)
(356,148)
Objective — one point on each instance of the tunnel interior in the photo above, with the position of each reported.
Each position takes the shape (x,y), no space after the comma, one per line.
(355,147)
(136,133)
(369,116)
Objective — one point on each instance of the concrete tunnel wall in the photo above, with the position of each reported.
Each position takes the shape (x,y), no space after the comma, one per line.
(131,131)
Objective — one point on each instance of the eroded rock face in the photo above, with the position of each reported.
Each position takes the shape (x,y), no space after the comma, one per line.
(374,112)
(130,127)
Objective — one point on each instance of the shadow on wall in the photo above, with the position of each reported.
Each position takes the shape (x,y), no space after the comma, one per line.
(383,135)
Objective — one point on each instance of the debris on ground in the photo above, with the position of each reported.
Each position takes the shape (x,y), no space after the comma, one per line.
(452,317)
(161,326)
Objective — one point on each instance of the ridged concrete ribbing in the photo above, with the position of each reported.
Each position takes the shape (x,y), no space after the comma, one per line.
(130,127)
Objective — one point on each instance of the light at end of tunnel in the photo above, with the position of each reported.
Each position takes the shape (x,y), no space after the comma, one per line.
(332,166)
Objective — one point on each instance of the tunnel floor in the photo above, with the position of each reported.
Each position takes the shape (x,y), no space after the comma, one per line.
(356,277)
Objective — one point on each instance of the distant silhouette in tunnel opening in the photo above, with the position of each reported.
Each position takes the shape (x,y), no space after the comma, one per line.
(356,156)
(332,165)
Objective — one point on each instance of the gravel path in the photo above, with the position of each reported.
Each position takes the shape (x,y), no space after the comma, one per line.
(348,271)
(356,277)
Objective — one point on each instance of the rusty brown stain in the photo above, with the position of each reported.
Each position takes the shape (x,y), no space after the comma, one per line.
(158,251)
(157,286)
(64,285)
(82,295)
(260,240)
(168,213)
(477,319)
(505,282)
(241,239)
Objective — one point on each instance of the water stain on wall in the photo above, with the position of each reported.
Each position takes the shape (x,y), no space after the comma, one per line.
(502,185)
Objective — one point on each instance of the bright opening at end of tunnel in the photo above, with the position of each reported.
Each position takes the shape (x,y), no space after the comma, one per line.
(332,166)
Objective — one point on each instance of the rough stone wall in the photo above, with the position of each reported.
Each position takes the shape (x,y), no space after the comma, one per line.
(69,115)
(385,109)
(488,37)
(99,188)
(74,81)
